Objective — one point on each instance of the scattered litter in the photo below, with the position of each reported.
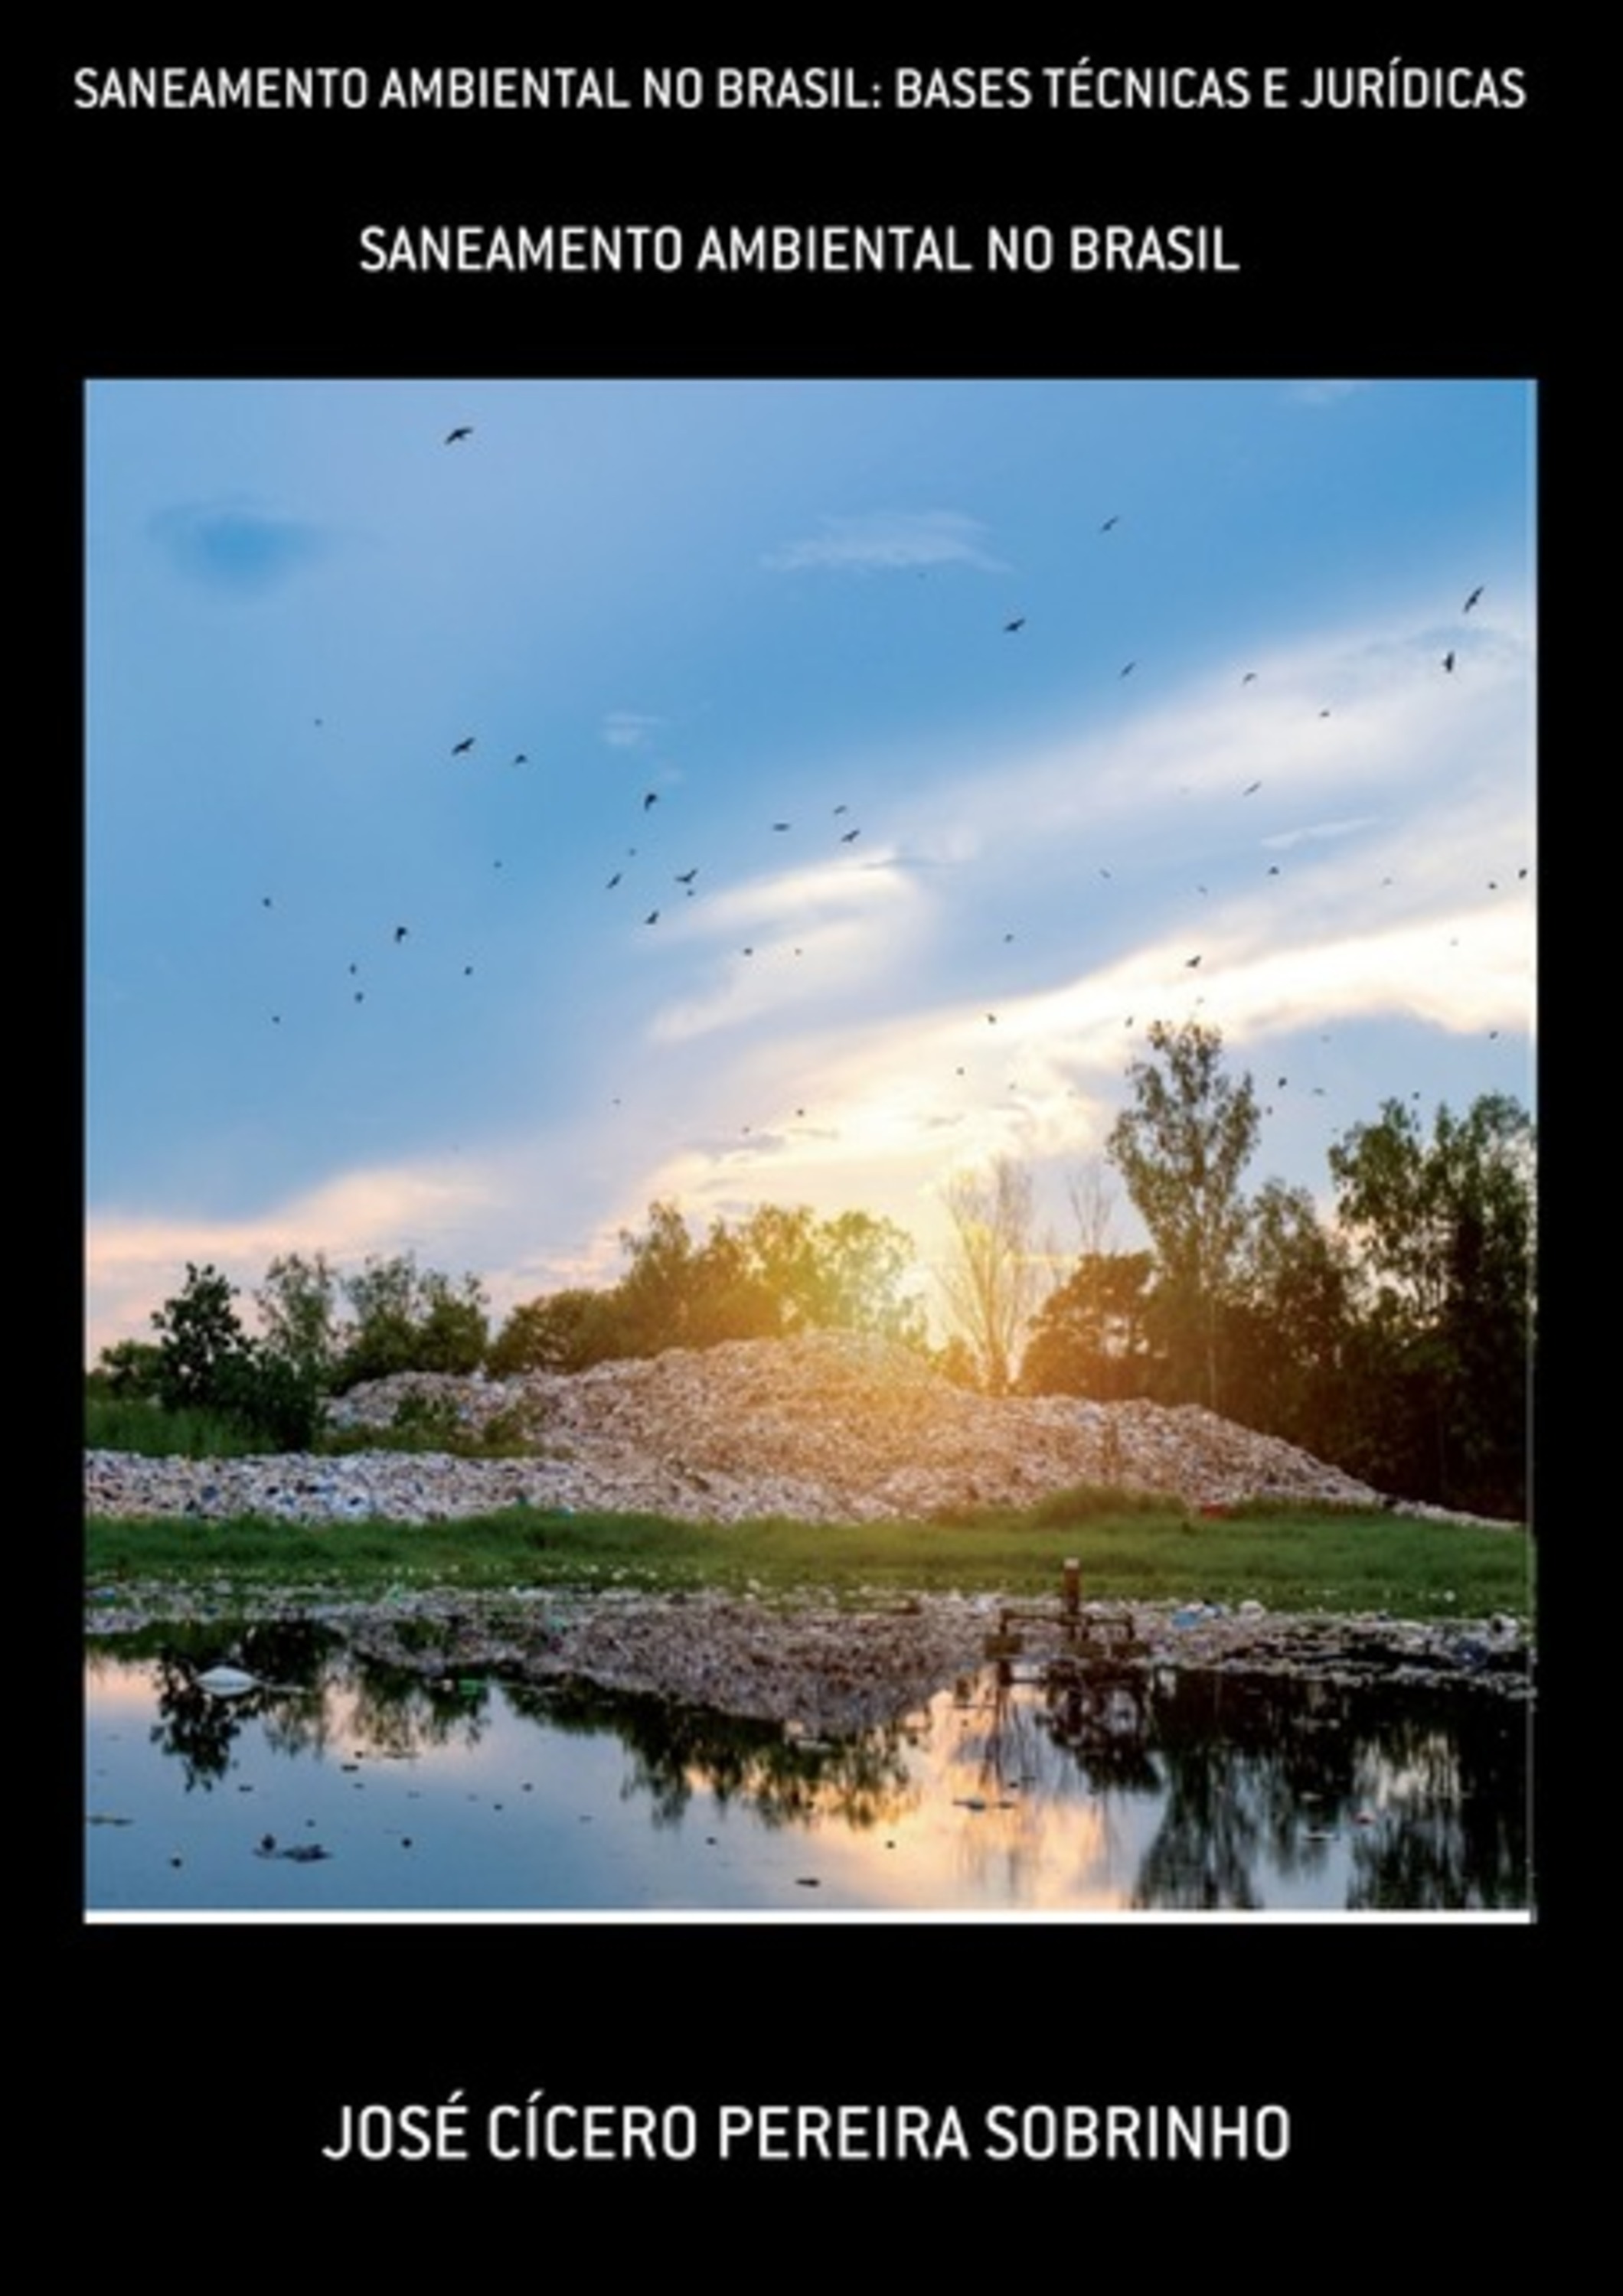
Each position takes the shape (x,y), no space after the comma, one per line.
(227,1682)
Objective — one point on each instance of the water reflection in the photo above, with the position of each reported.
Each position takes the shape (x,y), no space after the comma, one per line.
(1094,1787)
(781,1777)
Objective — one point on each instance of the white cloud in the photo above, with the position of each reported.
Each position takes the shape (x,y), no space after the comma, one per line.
(840,925)
(1324,391)
(628,729)
(133,1262)
(886,541)
(1320,832)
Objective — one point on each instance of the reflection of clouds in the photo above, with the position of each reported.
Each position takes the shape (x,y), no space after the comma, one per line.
(1039,1845)
(1110,1798)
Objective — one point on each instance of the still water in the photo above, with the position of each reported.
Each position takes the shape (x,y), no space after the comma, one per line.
(336,1786)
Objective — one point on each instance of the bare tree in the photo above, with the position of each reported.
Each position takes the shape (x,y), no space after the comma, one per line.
(998,1271)
(1092,1201)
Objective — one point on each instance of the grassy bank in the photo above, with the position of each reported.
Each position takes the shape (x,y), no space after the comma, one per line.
(1288,1558)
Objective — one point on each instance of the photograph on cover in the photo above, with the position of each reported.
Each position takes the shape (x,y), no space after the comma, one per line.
(811,1159)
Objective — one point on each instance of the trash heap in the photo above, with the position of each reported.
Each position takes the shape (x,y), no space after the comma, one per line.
(831,1427)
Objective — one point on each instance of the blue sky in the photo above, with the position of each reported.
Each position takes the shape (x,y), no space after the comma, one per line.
(756,604)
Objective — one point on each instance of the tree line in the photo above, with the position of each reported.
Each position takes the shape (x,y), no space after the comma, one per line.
(1393,1340)
(780,1272)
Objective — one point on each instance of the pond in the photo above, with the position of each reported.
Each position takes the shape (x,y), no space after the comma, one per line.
(333,1785)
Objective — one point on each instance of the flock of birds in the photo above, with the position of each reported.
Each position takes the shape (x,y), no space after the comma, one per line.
(651,806)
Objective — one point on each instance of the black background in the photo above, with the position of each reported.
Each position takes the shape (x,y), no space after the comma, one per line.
(203,2066)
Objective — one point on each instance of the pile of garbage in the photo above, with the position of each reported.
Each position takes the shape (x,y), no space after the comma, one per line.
(831,1427)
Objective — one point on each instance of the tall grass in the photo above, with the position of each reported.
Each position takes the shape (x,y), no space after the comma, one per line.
(1299,1561)
(115,1422)
(142,1425)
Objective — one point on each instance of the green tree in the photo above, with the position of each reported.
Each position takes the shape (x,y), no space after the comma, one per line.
(208,1362)
(1290,1330)
(768,1268)
(1181,1147)
(778,1272)
(456,1324)
(1445,1230)
(204,1351)
(1091,1335)
(562,1331)
(858,1278)
(844,1274)
(130,1369)
(299,1320)
(407,1318)
(676,1293)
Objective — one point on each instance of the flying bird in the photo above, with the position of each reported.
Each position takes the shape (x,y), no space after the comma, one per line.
(462,431)
(1250,789)
(652,918)
(1471,600)
(460,749)
(613,881)
(685,877)
(651,799)
(1018,623)
(850,837)
(1190,962)
(1448,660)
(1249,679)
(1115,519)
(400,934)
(1127,667)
